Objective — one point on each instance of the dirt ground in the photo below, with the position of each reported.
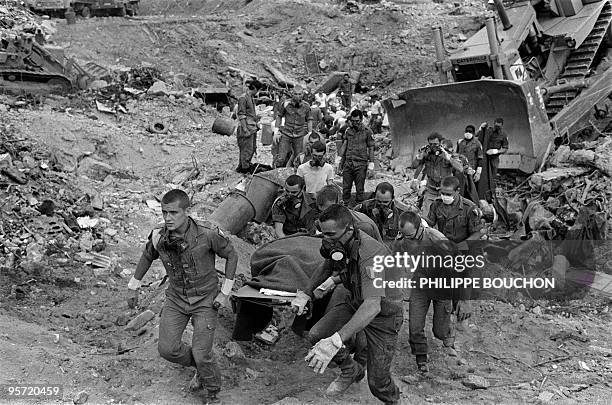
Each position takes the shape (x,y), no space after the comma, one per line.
(66,330)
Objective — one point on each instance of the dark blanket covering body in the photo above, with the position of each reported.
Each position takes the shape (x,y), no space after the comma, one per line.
(286,264)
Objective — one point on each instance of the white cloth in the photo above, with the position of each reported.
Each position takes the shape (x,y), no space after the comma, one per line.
(315,177)
(376,108)
(321,98)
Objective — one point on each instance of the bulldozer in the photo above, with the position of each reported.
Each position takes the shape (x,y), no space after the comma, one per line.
(538,64)
(27,67)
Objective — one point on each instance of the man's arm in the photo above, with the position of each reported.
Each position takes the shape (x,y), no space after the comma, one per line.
(474,224)
(242,115)
(148,255)
(309,119)
(504,145)
(454,162)
(278,228)
(366,312)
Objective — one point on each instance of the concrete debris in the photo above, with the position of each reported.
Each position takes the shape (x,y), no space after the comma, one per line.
(81,398)
(476,382)
(141,320)
(234,352)
(545,397)
(94,169)
(159,88)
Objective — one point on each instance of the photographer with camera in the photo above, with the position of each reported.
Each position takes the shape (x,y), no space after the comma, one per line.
(437,164)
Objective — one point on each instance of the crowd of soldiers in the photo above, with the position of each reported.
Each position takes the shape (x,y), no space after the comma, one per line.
(361,323)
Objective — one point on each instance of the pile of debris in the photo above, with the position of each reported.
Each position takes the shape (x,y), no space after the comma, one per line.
(15,18)
(44,218)
(577,179)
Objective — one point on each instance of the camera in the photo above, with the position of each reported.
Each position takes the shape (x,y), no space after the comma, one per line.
(431,149)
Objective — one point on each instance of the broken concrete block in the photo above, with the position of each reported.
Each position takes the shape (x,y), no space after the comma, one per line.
(550,179)
(546,396)
(476,382)
(159,88)
(561,156)
(141,320)
(81,398)
(234,352)
(94,169)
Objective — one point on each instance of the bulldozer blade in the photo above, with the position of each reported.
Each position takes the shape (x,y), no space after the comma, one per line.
(449,108)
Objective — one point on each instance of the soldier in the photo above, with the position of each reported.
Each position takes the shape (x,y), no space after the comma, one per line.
(247,130)
(298,123)
(330,195)
(436,163)
(356,157)
(471,148)
(289,209)
(345,91)
(494,142)
(187,249)
(415,237)
(383,211)
(372,307)
(456,217)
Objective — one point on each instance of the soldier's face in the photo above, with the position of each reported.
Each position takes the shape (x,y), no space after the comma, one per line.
(293,191)
(174,216)
(408,230)
(334,231)
(383,199)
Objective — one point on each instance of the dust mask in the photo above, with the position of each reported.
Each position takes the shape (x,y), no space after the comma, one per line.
(468,135)
(447,199)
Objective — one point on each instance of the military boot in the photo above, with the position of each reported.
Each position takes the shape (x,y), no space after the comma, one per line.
(351,372)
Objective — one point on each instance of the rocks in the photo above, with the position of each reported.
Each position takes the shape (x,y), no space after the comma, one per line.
(550,179)
(158,88)
(476,382)
(94,169)
(545,397)
(234,352)
(537,310)
(81,398)
(140,321)
(122,320)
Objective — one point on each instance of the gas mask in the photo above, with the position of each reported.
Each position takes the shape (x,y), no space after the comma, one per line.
(334,250)
(468,135)
(294,201)
(447,199)
(383,210)
(177,245)
(317,161)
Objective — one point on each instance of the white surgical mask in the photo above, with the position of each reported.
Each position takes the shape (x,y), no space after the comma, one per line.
(468,135)
(447,199)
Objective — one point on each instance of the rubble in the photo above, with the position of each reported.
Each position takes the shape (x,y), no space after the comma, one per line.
(475,382)
(141,320)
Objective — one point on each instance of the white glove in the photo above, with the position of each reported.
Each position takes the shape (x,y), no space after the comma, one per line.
(300,301)
(470,171)
(478,173)
(324,288)
(492,151)
(371,166)
(134,284)
(323,352)
(226,289)
(338,160)
(276,135)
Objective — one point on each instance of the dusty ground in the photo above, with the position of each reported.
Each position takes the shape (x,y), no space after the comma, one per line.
(69,300)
